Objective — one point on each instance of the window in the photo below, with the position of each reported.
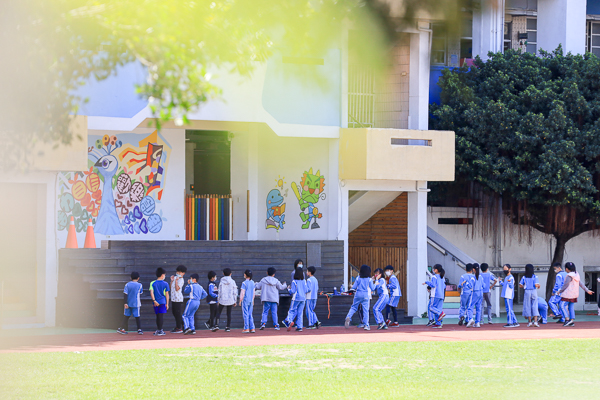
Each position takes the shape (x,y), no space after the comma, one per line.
(438,45)
(411,142)
(466,39)
(455,221)
(593,39)
(507,36)
(531,36)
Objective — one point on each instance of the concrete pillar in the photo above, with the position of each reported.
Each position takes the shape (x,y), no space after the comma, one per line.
(418,85)
(561,22)
(344,227)
(333,200)
(417,251)
(488,28)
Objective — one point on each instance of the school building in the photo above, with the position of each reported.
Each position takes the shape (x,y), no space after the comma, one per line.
(276,167)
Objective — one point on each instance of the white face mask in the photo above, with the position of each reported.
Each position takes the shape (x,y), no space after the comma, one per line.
(388,272)
(300,265)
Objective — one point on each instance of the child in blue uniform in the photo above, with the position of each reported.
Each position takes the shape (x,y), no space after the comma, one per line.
(298,290)
(212,300)
(543,310)
(363,285)
(476,300)
(247,302)
(394,289)
(159,292)
(382,301)
(311,298)
(132,292)
(554,303)
(197,293)
(489,281)
(508,292)
(438,288)
(465,284)
(531,284)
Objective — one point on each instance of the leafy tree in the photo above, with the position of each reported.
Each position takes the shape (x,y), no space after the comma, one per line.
(54,46)
(528,133)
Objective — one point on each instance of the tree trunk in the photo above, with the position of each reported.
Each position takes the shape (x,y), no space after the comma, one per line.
(559,253)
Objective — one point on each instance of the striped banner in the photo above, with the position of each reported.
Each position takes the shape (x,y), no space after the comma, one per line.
(209,217)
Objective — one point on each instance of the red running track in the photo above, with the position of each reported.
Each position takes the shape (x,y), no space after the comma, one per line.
(405,333)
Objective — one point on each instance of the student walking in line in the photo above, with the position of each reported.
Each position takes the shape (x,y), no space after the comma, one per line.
(554,302)
(438,288)
(363,286)
(298,290)
(132,292)
(311,298)
(247,302)
(465,285)
(227,298)
(476,299)
(298,264)
(543,310)
(212,300)
(177,283)
(269,287)
(531,284)
(570,292)
(197,293)
(159,292)
(382,301)
(489,281)
(395,293)
(508,292)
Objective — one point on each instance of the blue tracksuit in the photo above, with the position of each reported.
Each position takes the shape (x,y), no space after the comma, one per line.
(395,294)
(488,278)
(248,304)
(475,308)
(363,287)
(298,291)
(508,292)
(311,300)
(466,283)
(543,310)
(382,301)
(438,290)
(555,301)
(196,293)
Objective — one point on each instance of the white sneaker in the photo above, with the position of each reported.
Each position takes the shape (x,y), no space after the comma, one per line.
(490,322)
(530,324)
(535,324)
(477,326)
(471,323)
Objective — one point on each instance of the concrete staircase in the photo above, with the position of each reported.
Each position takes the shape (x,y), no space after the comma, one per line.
(91,281)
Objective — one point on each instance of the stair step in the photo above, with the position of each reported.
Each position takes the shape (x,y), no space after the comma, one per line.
(451,306)
(99,270)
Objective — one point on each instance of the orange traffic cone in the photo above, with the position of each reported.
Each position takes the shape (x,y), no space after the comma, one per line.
(72,235)
(90,240)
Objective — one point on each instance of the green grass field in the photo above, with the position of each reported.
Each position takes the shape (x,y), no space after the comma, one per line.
(532,369)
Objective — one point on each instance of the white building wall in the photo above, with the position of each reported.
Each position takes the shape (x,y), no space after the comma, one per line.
(562,22)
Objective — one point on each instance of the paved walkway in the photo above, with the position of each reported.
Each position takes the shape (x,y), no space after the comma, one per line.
(132,341)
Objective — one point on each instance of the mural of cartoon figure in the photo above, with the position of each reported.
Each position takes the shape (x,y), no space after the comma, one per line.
(275,210)
(311,190)
(122,190)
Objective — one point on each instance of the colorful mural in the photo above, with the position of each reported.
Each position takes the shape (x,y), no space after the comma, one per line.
(311,190)
(123,188)
(276,206)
